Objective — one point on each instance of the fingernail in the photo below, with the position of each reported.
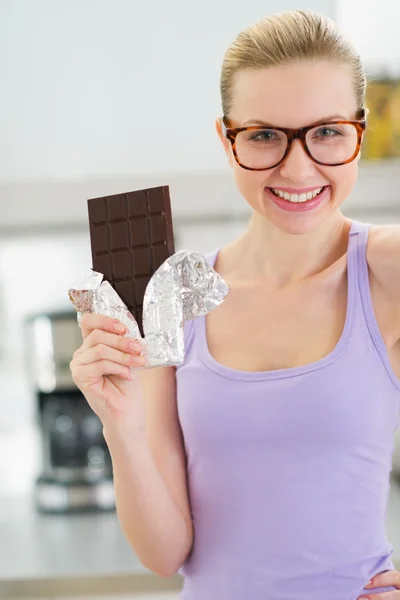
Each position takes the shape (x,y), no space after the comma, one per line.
(139,361)
(134,346)
(120,328)
(369,584)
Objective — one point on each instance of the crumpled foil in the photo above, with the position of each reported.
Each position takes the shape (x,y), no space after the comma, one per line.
(184,287)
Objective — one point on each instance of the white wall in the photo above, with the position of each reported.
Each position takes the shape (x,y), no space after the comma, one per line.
(106,87)
(373,26)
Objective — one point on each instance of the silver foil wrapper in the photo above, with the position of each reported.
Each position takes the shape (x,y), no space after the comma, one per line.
(184,287)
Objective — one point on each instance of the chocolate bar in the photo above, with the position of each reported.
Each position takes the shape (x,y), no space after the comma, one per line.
(131,235)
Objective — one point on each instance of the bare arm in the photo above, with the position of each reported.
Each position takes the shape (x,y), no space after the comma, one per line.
(383,256)
(140,424)
(150,477)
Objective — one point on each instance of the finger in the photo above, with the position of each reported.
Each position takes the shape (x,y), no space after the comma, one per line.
(91,321)
(385,579)
(105,352)
(99,336)
(381,596)
(85,375)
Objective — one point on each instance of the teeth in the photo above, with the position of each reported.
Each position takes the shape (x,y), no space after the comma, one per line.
(297,197)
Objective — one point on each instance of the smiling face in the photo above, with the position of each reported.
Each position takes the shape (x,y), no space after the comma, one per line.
(293,96)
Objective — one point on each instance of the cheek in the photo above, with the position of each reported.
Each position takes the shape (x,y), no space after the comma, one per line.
(249,183)
(342,179)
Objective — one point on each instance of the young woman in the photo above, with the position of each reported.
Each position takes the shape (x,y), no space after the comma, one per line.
(260,468)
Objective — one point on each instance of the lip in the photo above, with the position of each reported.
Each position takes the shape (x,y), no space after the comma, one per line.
(298,207)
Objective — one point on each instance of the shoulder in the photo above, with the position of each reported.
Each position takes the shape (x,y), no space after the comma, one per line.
(383,257)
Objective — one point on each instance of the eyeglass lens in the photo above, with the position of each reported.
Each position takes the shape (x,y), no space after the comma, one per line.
(329,144)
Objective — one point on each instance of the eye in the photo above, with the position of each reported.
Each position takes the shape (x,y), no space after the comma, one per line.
(327,132)
(263,135)
(198,265)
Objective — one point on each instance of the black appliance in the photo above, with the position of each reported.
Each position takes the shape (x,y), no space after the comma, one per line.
(76,470)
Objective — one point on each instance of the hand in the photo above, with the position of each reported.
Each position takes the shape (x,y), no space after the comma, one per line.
(102,367)
(386,579)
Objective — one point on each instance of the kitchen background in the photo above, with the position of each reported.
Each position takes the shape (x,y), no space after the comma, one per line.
(105,96)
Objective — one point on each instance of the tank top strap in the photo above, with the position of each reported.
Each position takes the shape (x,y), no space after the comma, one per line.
(211,257)
(357,260)
(357,248)
(363,304)
(360,231)
(357,270)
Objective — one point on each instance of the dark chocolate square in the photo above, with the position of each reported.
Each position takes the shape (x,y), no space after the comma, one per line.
(118,208)
(139,232)
(157,201)
(137,203)
(98,211)
(142,261)
(158,229)
(103,265)
(160,254)
(122,267)
(119,236)
(99,238)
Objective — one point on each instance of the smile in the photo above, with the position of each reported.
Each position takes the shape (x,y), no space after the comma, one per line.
(302,197)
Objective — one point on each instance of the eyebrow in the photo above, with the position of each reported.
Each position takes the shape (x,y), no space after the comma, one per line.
(319,122)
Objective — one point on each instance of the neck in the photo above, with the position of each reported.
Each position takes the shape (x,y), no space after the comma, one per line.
(266,253)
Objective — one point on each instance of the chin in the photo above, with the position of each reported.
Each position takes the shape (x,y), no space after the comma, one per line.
(295,226)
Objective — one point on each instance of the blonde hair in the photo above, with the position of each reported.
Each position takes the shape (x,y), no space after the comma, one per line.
(285,38)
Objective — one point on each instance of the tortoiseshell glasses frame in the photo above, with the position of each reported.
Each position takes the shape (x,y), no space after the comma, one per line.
(291,135)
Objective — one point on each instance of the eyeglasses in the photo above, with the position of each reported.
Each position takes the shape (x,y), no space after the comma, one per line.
(260,148)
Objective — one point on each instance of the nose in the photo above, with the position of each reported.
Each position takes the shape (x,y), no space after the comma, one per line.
(297,166)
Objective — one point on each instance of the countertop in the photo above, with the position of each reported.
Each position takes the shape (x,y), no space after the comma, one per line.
(50,555)
(46,555)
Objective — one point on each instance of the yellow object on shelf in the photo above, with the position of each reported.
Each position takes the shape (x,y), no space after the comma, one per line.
(382,138)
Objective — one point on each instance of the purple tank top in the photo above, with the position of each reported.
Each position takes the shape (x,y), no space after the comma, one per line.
(289,469)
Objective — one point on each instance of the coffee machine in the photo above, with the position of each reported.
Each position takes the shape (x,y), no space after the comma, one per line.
(76,469)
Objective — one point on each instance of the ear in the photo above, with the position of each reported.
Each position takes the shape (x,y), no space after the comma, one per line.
(225,142)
